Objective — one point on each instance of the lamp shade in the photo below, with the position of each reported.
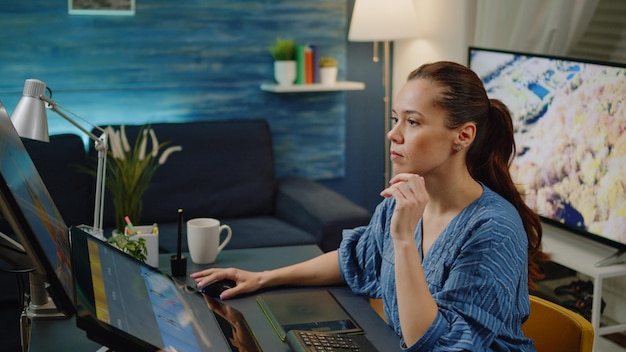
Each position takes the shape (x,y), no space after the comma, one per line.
(378,20)
(29,115)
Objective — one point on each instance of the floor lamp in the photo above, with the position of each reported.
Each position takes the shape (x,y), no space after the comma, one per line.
(383,21)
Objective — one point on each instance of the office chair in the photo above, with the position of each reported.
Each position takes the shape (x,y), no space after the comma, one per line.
(555,328)
(377,305)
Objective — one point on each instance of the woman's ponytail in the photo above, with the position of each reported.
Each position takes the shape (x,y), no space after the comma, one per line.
(489,162)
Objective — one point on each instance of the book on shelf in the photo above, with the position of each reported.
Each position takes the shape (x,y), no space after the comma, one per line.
(307,63)
(316,63)
(300,64)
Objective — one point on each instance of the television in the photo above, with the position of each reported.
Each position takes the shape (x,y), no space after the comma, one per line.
(27,207)
(569,117)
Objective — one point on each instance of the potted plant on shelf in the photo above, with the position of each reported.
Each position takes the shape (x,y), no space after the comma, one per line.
(328,70)
(283,52)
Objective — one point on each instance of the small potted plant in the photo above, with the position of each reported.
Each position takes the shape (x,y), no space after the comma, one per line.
(284,53)
(328,70)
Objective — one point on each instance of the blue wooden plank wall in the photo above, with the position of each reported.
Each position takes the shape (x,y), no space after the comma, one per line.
(177,61)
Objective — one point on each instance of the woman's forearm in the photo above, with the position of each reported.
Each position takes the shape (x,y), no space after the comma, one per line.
(416,307)
(319,271)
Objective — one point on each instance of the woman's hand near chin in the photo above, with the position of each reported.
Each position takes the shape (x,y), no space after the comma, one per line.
(409,192)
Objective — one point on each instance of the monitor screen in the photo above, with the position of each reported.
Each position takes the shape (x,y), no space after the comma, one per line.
(27,206)
(128,305)
(569,117)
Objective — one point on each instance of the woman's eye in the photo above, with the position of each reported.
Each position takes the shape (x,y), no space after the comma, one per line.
(394,120)
(412,122)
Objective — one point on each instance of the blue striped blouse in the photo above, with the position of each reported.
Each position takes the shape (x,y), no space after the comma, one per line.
(476,270)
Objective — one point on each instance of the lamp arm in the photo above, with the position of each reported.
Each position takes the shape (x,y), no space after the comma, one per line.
(98,213)
(101,145)
(54,107)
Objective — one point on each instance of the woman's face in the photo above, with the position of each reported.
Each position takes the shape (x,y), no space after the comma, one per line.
(420,141)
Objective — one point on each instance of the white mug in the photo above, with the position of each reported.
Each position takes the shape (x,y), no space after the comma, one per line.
(203,239)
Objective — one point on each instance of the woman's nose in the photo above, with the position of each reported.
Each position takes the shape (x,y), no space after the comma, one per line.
(394,135)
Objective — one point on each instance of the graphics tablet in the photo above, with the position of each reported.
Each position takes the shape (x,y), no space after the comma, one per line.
(309,310)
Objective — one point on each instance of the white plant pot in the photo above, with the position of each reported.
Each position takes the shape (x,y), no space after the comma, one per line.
(285,72)
(328,75)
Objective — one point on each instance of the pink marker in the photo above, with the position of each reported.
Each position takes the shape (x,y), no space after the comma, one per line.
(130,224)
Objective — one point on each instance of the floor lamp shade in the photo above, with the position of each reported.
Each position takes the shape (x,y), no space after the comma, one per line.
(378,21)
(383,21)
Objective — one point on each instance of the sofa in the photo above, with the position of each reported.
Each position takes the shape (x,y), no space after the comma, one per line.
(225,170)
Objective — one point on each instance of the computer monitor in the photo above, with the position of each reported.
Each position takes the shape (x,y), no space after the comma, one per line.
(569,116)
(128,305)
(37,224)
(14,254)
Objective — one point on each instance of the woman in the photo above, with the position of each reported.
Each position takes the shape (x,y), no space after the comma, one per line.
(452,249)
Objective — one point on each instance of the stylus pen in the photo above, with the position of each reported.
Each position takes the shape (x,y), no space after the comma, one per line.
(180,234)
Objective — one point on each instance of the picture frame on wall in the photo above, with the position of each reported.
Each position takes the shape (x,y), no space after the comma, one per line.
(102,7)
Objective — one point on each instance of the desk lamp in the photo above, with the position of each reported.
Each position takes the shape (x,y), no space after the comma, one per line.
(30,121)
(383,21)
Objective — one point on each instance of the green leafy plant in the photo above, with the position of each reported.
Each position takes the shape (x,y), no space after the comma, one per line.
(134,247)
(327,61)
(283,49)
(129,172)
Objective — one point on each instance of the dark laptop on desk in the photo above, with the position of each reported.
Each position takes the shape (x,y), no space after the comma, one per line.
(127,305)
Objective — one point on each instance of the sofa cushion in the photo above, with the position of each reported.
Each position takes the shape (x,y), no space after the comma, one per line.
(225,170)
(317,209)
(60,164)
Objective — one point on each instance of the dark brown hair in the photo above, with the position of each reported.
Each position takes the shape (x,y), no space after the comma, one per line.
(489,157)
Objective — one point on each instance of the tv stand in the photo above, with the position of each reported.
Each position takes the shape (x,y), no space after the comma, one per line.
(618,257)
(581,254)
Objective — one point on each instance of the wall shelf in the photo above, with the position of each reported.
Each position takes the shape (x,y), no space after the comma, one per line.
(315,87)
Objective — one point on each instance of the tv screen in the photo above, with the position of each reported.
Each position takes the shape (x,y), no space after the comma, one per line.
(27,206)
(570,132)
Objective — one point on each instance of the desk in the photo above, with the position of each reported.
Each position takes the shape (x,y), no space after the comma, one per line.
(65,334)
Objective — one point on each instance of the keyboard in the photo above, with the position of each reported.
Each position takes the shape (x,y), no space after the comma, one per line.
(316,341)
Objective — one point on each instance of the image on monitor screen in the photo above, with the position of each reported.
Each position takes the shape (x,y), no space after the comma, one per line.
(37,224)
(569,117)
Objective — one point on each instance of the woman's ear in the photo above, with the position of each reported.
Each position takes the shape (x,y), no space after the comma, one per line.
(466,135)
